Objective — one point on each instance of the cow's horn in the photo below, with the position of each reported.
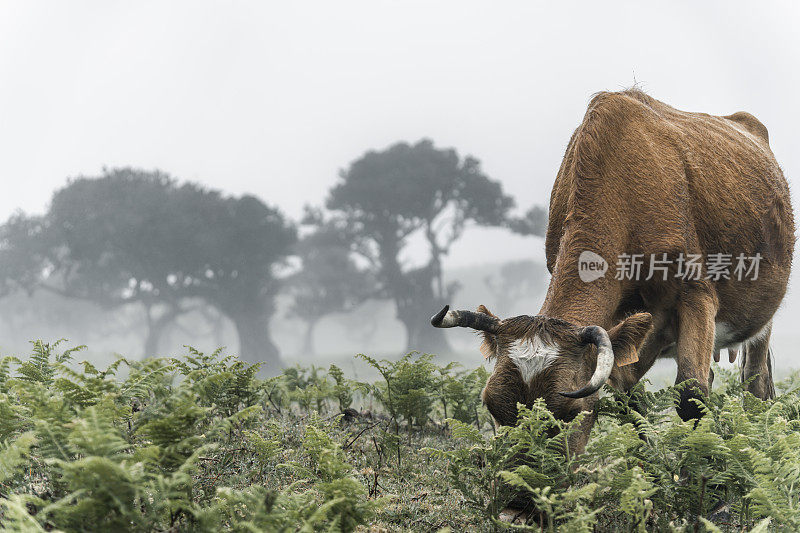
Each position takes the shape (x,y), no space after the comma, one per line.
(605,361)
(466,319)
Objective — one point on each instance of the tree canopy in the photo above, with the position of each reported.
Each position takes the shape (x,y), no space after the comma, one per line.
(386,196)
(134,236)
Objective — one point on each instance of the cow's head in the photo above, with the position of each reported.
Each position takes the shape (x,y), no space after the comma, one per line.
(558,361)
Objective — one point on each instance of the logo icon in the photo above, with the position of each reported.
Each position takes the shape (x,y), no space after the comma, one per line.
(591,266)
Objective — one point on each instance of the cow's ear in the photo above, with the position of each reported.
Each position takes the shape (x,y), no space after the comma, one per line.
(489,346)
(628,336)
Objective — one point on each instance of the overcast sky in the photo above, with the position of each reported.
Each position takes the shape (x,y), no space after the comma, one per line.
(273,98)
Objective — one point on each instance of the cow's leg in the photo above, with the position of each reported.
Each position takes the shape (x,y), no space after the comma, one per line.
(696,314)
(756,365)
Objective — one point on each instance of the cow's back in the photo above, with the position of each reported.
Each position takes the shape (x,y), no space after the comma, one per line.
(648,178)
(737,191)
(680,181)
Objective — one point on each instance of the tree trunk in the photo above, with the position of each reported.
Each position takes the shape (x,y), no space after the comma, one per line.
(415,298)
(308,338)
(255,343)
(156,327)
(415,315)
(151,342)
(423,337)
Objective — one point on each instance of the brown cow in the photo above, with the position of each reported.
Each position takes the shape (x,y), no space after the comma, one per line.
(640,177)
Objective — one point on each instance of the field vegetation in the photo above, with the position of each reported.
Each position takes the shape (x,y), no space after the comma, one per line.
(201,443)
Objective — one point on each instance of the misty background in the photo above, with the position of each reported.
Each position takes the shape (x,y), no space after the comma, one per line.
(272,101)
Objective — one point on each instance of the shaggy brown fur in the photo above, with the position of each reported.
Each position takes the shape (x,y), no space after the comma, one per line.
(640,177)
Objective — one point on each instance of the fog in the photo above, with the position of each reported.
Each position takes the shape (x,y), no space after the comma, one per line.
(273,99)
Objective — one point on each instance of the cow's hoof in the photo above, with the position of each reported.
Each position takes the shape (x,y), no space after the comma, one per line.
(689,405)
(513,516)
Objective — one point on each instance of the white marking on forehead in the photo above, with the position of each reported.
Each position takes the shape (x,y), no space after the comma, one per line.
(532,357)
